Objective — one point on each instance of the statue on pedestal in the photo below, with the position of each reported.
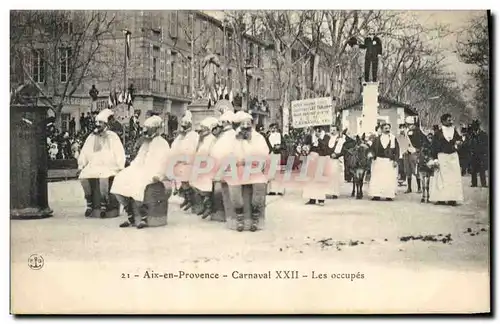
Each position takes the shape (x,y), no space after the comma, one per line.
(211,65)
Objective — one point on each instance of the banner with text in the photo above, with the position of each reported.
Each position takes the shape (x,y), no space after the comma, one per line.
(312,112)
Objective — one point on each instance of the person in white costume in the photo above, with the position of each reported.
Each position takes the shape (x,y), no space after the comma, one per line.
(246,144)
(148,166)
(335,146)
(202,183)
(102,156)
(184,146)
(385,150)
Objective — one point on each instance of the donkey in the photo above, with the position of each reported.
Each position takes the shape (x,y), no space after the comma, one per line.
(358,162)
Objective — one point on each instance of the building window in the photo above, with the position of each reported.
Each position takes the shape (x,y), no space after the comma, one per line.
(154,68)
(38,73)
(67,27)
(230,79)
(173,23)
(259,56)
(64,63)
(172,68)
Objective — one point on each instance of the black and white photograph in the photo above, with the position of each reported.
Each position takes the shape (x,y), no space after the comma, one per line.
(262,161)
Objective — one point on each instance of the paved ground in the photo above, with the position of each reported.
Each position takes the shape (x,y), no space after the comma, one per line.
(345,232)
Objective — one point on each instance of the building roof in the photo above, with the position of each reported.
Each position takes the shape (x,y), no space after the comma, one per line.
(381,99)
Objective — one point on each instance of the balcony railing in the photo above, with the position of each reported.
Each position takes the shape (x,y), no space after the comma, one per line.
(160,88)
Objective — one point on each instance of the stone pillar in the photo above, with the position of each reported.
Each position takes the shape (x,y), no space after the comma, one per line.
(167,111)
(370,107)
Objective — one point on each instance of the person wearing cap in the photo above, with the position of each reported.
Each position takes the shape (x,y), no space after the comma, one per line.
(385,151)
(447,180)
(238,117)
(373,46)
(184,147)
(316,191)
(202,183)
(416,140)
(222,149)
(101,157)
(248,194)
(276,145)
(148,167)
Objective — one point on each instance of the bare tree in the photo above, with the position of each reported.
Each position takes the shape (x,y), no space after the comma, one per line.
(473,48)
(57,51)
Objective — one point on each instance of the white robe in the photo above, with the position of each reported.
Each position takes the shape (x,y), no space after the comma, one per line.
(106,162)
(203,181)
(242,151)
(151,161)
(184,146)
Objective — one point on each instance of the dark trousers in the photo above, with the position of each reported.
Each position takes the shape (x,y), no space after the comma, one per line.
(475,169)
(373,63)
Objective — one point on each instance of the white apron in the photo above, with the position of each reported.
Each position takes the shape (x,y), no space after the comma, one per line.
(151,161)
(274,185)
(314,188)
(383,182)
(337,176)
(106,162)
(446,183)
(203,182)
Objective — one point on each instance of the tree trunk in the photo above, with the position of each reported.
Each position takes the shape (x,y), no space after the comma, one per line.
(58,116)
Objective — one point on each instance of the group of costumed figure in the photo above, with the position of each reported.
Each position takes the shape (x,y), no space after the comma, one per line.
(240,200)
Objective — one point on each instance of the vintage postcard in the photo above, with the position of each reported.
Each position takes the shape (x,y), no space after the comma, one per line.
(249,162)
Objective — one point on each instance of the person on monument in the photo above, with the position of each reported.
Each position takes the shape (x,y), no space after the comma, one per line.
(385,152)
(315,190)
(102,156)
(184,147)
(210,66)
(148,167)
(202,183)
(373,47)
(447,179)
(276,146)
(247,199)
(336,152)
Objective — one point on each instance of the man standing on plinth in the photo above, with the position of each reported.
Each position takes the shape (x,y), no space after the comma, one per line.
(385,151)
(102,156)
(447,182)
(149,166)
(202,183)
(276,146)
(184,146)
(373,46)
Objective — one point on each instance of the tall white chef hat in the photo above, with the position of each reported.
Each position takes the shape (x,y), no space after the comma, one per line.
(209,122)
(104,115)
(227,116)
(153,122)
(240,116)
